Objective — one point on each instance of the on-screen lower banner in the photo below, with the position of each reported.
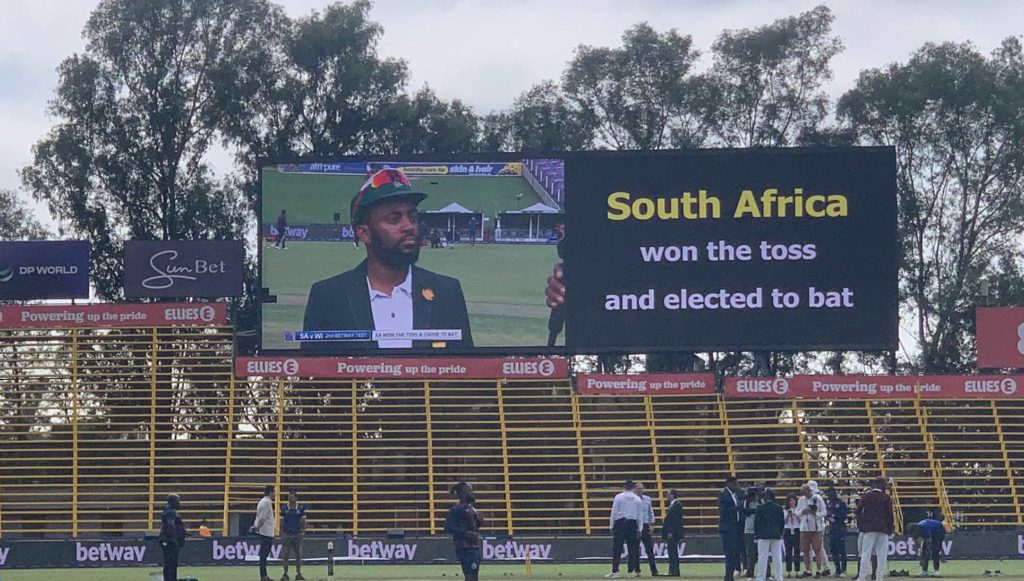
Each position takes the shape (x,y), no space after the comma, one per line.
(404,368)
(877,387)
(110,315)
(645,384)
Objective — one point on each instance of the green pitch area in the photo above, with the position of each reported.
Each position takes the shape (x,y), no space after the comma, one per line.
(314,198)
(954,571)
(503,285)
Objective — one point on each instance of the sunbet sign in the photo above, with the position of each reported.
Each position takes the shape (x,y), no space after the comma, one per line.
(183,268)
(44,270)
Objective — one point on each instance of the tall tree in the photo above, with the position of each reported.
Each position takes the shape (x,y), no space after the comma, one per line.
(137,113)
(956,119)
(540,119)
(328,92)
(424,123)
(637,92)
(16,220)
(765,84)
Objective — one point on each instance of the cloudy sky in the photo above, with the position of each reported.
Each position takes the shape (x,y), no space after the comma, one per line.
(486,52)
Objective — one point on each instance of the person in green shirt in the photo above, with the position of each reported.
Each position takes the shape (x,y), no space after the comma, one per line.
(769,521)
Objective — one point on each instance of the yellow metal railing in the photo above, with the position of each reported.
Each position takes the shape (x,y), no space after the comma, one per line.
(96,428)
(1006,463)
(897,506)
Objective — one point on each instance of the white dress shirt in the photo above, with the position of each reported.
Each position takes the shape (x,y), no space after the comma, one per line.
(647,512)
(264,524)
(811,523)
(626,505)
(392,312)
(792,518)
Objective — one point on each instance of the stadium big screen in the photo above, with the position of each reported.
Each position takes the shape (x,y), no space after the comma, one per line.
(678,250)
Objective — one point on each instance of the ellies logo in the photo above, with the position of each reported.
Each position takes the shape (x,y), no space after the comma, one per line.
(543,368)
(778,386)
(205,314)
(288,367)
(6,274)
(1006,386)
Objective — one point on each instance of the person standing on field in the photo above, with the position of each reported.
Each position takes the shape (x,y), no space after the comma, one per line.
(282,229)
(264,528)
(624,524)
(875,522)
(811,508)
(293,528)
(172,537)
(672,531)
(463,524)
(769,522)
(646,524)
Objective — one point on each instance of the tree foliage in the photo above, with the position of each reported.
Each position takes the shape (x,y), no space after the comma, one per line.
(17,221)
(765,85)
(635,93)
(541,119)
(956,119)
(136,114)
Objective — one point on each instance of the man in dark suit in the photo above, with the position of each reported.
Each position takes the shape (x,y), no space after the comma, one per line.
(730,525)
(386,292)
(672,531)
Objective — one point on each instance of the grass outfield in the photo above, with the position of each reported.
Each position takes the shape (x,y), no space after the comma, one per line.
(954,571)
(503,285)
(314,198)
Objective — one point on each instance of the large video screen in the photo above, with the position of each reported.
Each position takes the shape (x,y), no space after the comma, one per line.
(453,260)
(580,252)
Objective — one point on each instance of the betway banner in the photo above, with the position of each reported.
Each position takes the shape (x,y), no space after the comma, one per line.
(877,387)
(1000,332)
(646,384)
(108,316)
(44,270)
(436,550)
(400,368)
(312,232)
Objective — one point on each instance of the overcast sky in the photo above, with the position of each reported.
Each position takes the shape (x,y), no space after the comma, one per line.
(488,52)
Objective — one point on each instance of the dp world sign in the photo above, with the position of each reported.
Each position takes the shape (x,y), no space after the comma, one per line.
(44,270)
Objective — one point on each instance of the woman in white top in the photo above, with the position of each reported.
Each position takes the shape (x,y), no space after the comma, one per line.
(811,508)
(791,537)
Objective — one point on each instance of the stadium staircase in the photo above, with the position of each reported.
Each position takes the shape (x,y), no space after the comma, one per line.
(96,428)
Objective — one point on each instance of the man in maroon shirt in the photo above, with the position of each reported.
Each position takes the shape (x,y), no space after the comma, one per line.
(875,522)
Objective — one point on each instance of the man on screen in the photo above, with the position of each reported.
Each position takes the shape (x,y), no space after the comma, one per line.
(386,292)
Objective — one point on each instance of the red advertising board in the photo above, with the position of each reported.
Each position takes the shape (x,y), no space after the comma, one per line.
(401,368)
(104,316)
(645,384)
(1000,332)
(876,387)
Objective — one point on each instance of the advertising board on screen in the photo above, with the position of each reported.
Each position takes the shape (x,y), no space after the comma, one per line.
(681,250)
